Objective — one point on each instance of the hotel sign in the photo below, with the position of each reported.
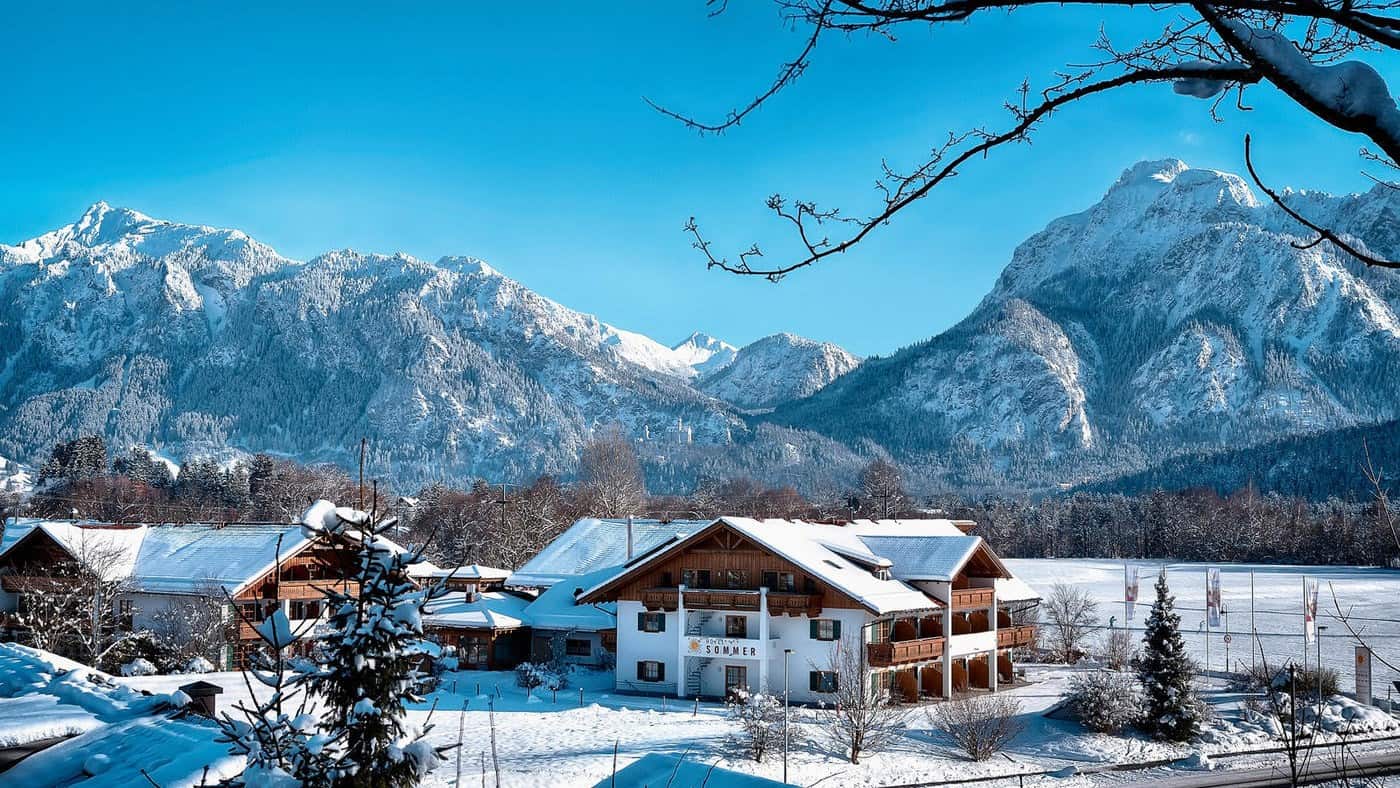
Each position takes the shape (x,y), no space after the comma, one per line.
(721,647)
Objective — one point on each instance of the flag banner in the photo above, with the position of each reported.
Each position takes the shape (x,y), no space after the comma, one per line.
(1214,604)
(1309,611)
(1130,591)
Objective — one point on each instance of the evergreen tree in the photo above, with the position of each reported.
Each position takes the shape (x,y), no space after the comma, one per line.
(1173,712)
(367,672)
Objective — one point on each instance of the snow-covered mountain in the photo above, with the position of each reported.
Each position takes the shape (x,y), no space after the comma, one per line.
(776,369)
(200,339)
(705,354)
(15,479)
(1173,315)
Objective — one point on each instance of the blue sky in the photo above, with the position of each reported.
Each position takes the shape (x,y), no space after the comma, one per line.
(464,128)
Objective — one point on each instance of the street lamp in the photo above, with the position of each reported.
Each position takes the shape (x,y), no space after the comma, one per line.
(786,652)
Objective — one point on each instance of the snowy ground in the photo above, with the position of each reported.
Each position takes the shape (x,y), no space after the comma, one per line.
(540,742)
(547,744)
(1371,596)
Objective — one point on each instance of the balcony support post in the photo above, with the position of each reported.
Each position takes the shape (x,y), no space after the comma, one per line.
(680,641)
(763,640)
(948,650)
(992,657)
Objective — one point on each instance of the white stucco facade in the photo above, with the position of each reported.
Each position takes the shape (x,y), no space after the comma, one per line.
(696,655)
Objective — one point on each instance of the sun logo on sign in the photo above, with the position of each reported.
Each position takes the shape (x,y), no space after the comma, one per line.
(694,645)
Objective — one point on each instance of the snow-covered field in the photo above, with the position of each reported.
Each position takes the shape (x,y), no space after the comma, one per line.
(1370,596)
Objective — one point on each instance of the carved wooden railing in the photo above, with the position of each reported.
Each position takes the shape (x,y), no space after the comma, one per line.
(964,598)
(1015,637)
(902,652)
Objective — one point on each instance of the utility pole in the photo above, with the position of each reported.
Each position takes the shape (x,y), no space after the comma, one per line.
(503,503)
(364,442)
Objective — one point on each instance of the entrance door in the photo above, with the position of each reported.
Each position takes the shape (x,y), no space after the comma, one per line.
(474,651)
(736,678)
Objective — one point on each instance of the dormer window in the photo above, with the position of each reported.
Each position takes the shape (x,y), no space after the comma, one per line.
(883,574)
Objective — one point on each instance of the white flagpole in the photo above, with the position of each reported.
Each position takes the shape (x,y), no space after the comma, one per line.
(1207,620)
(1305,623)
(1253,636)
(1125,596)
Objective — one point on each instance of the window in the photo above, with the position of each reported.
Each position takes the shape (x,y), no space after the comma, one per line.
(822,680)
(578,648)
(474,649)
(304,609)
(826,629)
(126,611)
(695,578)
(736,677)
(651,622)
(736,626)
(666,580)
(780,581)
(734,578)
(809,586)
(651,670)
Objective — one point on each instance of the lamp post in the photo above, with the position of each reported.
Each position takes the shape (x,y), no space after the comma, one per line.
(786,652)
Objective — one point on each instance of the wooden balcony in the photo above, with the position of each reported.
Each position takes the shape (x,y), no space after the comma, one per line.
(969,598)
(1015,637)
(903,652)
(305,589)
(779,603)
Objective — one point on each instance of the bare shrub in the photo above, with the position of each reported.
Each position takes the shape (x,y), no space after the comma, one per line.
(859,717)
(1070,616)
(981,725)
(1119,649)
(760,720)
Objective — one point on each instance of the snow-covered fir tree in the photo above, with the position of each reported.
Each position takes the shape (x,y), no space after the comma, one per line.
(366,672)
(1172,710)
(278,737)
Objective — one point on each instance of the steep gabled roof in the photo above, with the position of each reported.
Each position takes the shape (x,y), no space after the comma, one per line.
(801,544)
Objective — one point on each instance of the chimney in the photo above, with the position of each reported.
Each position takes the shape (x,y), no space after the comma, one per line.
(202,697)
(629,537)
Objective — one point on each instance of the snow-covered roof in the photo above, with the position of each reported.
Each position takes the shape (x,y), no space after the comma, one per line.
(489,610)
(846,557)
(924,558)
(593,543)
(556,608)
(469,572)
(1014,589)
(117,732)
(809,545)
(180,559)
(172,558)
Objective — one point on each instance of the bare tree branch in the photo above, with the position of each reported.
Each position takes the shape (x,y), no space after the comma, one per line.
(1323,233)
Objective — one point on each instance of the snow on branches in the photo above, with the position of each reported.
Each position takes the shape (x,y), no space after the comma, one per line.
(366,671)
(339,719)
(1207,50)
